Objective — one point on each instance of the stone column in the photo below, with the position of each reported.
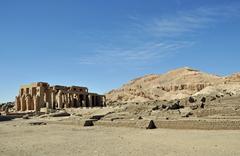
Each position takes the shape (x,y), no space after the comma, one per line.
(71,100)
(36,101)
(28,102)
(104,101)
(84,101)
(23,103)
(48,106)
(48,98)
(77,100)
(63,100)
(40,93)
(53,99)
(90,100)
(67,100)
(17,103)
(59,99)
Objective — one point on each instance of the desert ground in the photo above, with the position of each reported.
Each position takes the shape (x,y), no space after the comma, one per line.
(19,138)
(151,115)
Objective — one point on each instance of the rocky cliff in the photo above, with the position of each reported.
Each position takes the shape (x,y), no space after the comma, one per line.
(175,84)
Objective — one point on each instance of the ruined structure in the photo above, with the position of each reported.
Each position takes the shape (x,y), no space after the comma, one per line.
(38,95)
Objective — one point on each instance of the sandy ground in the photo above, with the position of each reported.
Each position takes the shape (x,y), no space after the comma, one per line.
(19,138)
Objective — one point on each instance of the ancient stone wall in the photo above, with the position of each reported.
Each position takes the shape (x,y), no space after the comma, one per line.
(38,95)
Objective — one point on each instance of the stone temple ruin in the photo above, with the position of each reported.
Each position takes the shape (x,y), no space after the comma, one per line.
(39,95)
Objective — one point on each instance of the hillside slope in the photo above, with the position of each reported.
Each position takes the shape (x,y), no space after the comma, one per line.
(175,84)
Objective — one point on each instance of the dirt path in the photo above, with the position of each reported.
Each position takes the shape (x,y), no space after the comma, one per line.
(19,138)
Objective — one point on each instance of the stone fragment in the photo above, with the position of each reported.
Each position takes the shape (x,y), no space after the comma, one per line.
(193,107)
(88,123)
(97,117)
(213,98)
(155,108)
(26,116)
(175,106)
(203,99)
(37,123)
(59,114)
(191,99)
(164,106)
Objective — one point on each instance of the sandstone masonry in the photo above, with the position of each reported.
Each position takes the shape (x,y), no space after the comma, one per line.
(39,95)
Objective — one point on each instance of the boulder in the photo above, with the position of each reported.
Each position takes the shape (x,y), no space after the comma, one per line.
(155,108)
(26,116)
(203,99)
(164,106)
(88,122)
(59,114)
(175,106)
(191,99)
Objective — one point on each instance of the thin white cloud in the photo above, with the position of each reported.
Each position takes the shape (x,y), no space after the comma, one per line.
(143,53)
(155,38)
(189,22)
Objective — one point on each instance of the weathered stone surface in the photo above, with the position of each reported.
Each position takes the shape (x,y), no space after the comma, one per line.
(39,95)
(176,84)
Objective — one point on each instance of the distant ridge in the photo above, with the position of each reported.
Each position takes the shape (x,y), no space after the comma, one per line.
(175,84)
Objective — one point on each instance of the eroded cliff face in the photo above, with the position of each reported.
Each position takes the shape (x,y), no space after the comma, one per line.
(175,84)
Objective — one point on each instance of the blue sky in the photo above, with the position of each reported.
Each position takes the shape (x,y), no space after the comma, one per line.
(103,44)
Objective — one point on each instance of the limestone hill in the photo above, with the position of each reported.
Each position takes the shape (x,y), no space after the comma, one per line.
(175,84)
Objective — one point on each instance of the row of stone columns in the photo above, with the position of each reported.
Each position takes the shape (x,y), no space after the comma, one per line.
(27,102)
(60,99)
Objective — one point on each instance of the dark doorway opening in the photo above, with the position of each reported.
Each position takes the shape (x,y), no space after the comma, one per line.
(87,102)
(93,101)
(75,103)
(81,100)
